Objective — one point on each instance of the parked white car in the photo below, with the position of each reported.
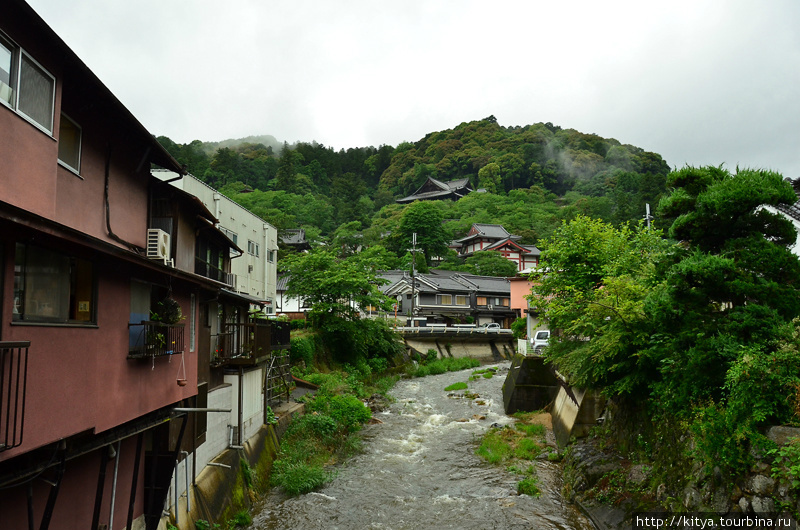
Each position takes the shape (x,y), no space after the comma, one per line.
(540,340)
(491,327)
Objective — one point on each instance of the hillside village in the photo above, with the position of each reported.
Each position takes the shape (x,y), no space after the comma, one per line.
(150,289)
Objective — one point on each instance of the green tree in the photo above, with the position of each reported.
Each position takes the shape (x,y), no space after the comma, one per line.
(490,178)
(490,263)
(425,219)
(338,289)
(702,330)
(334,287)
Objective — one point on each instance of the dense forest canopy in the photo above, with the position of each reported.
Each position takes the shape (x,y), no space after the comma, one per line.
(530,178)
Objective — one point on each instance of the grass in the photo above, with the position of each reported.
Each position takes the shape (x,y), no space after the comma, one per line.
(440,366)
(456,386)
(486,373)
(515,447)
(327,433)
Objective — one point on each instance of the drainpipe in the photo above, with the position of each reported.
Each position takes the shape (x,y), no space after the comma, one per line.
(217,199)
(114,486)
(186,478)
(241,403)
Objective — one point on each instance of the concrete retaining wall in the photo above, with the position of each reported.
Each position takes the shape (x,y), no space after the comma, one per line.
(495,350)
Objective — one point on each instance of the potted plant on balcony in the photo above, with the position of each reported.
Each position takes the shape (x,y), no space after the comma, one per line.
(169,312)
(156,339)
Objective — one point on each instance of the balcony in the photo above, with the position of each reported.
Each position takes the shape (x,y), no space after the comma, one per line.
(155,339)
(249,343)
(13,383)
(208,270)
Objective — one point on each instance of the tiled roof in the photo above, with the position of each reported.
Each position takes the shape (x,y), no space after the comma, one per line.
(489,232)
(293,236)
(449,282)
(457,188)
(792,210)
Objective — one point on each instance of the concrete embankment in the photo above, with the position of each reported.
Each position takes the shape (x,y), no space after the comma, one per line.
(220,489)
(495,349)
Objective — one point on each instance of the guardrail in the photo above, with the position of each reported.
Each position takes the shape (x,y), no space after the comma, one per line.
(422,330)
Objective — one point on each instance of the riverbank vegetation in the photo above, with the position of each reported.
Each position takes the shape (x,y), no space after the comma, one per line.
(517,447)
(692,330)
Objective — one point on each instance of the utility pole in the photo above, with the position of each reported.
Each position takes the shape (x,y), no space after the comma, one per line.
(647,216)
(413,251)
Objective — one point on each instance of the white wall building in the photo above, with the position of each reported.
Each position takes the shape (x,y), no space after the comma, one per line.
(256,270)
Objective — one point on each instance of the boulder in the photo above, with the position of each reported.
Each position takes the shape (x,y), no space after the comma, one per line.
(780,434)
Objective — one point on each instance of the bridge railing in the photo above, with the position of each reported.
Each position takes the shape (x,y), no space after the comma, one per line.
(456,330)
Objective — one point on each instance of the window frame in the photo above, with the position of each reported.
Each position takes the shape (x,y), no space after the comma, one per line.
(47,73)
(72,290)
(252,248)
(61,162)
(21,59)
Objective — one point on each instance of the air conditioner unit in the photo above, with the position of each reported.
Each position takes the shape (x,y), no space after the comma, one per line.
(158,245)
(490,307)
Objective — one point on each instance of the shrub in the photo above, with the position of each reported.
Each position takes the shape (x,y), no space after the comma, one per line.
(786,463)
(297,478)
(241,519)
(529,486)
(302,349)
(349,412)
(456,386)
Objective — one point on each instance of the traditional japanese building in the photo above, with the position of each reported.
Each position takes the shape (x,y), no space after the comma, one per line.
(436,190)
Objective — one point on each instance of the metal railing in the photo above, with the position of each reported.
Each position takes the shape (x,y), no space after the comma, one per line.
(155,339)
(279,378)
(13,386)
(457,330)
(242,341)
(210,271)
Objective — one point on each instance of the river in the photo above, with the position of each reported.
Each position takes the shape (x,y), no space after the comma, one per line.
(419,471)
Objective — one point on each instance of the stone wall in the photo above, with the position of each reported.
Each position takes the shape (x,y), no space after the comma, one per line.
(606,478)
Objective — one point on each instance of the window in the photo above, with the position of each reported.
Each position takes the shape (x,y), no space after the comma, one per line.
(6,67)
(252,248)
(26,87)
(461,300)
(52,287)
(271,256)
(233,236)
(69,144)
(481,300)
(445,299)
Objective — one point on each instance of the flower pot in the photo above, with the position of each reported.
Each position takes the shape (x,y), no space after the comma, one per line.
(182,382)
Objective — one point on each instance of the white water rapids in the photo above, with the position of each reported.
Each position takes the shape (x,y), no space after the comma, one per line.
(419,471)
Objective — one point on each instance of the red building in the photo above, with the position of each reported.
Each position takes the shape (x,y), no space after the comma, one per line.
(494,237)
(110,284)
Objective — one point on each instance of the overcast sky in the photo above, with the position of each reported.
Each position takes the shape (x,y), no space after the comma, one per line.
(700,82)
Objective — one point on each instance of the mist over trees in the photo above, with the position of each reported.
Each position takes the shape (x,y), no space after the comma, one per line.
(531,179)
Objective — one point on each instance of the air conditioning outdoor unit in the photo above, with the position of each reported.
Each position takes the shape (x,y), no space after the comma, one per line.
(158,246)
(490,307)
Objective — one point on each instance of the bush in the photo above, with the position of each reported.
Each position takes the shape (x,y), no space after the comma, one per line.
(349,412)
(297,478)
(302,349)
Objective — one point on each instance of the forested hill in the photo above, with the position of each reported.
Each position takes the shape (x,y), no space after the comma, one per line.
(534,176)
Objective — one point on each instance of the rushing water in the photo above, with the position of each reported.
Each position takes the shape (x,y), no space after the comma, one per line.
(419,471)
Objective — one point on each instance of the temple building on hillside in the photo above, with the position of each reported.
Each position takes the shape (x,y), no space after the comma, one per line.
(494,237)
(436,190)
